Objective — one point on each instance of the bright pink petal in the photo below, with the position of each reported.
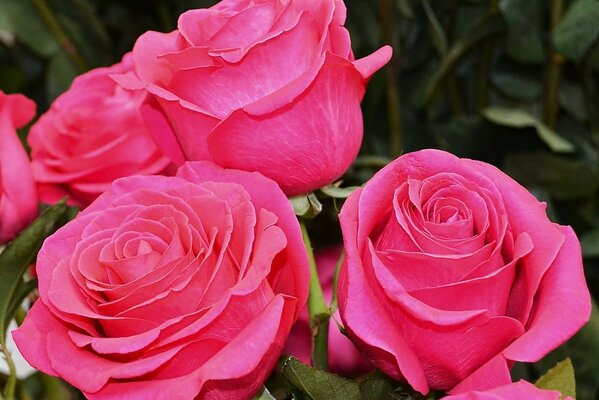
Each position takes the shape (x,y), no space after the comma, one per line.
(304,145)
(563,305)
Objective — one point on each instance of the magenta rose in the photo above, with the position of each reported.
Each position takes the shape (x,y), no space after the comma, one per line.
(269,86)
(18,197)
(92,135)
(453,272)
(170,287)
(521,390)
(344,359)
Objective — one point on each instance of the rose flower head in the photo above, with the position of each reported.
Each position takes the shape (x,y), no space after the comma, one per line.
(453,272)
(90,136)
(18,196)
(170,287)
(269,86)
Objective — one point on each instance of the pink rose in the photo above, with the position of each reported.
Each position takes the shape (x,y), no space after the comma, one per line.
(18,197)
(92,135)
(453,271)
(344,359)
(521,390)
(269,86)
(170,287)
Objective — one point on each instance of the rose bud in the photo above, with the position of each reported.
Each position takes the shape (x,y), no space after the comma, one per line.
(170,287)
(269,86)
(92,135)
(453,272)
(18,196)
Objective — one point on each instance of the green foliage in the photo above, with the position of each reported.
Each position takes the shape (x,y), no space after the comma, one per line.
(510,82)
(560,378)
(14,261)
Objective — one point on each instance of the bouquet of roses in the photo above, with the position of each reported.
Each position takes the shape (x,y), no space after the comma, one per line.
(198,164)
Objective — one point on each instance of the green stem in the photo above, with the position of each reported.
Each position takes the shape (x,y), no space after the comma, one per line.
(9,389)
(317,309)
(554,70)
(484,67)
(393,95)
(67,45)
(87,11)
(334,304)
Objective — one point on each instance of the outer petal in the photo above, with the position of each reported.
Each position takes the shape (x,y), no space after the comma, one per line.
(304,145)
(31,337)
(18,195)
(378,339)
(494,373)
(521,390)
(563,305)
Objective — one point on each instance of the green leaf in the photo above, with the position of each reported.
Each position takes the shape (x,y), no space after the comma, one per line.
(516,80)
(337,192)
(560,378)
(563,178)
(18,256)
(524,41)
(578,29)
(488,25)
(264,395)
(20,18)
(318,384)
(59,75)
(516,118)
(590,243)
(306,206)
(380,387)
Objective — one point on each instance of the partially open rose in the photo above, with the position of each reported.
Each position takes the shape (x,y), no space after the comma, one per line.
(453,271)
(269,86)
(91,135)
(18,197)
(170,287)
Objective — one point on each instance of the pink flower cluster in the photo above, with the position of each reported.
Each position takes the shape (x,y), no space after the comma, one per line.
(185,272)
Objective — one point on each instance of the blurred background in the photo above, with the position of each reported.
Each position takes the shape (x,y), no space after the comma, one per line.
(510,82)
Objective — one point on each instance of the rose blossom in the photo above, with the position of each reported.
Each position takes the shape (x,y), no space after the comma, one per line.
(344,359)
(520,390)
(170,287)
(92,135)
(18,197)
(453,271)
(269,86)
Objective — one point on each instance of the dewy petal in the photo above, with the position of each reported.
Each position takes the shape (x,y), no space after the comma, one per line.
(304,145)
(562,305)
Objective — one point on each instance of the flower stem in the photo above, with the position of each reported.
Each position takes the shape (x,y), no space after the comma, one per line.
(393,95)
(9,390)
(317,309)
(484,67)
(554,70)
(60,35)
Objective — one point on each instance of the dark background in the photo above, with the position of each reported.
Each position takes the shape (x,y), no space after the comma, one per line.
(513,82)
